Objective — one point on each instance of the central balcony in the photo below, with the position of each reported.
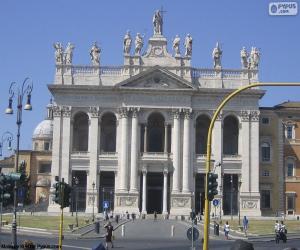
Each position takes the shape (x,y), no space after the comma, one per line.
(156,156)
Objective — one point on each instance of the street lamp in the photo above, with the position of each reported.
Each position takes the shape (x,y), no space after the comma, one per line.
(76,182)
(6,137)
(25,89)
(240,184)
(93,185)
(221,200)
(231,194)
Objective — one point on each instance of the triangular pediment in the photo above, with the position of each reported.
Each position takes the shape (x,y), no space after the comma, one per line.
(156,78)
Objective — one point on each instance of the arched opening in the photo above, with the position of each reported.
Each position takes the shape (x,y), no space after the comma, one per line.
(202,125)
(81,132)
(108,133)
(156,133)
(230,136)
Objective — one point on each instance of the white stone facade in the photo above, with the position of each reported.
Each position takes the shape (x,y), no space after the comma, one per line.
(177,93)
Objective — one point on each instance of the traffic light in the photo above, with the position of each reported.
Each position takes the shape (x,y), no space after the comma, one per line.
(5,188)
(56,197)
(212,185)
(67,195)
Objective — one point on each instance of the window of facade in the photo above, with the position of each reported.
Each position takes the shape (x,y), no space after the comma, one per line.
(202,125)
(265,199)
(156,133)
(47,146)
(290,202)
(45,168)
(266,173)
(265,120)
(80,132)
(265,152)
(108,133)
(290,165)
(289,130)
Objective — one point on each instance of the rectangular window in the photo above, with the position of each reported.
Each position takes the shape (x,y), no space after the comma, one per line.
(290,169)
(45,168)
(289,132)
(265,120)
(290,203)
(266,173)
(265,151)
(265,199)
(46,146)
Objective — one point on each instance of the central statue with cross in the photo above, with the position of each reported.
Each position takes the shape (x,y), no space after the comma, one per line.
(158,22)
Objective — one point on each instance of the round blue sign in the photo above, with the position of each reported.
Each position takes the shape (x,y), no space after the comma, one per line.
(215,202)
(192,233)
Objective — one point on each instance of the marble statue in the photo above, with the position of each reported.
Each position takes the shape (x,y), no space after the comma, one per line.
(138,44)
(188,45)
(95,54)
(127,43)
(157,23)
(69,53)
(254,58)
(176,44)
(216,55)
(58,52)
(244,58)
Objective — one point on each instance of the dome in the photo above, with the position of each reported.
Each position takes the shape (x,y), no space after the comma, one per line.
(44,130)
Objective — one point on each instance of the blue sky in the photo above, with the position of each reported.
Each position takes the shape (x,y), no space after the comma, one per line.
(29,28)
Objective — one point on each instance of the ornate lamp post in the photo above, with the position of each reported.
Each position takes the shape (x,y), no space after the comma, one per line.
(93,218)
(6,137)
(240,184)
(231,196)
(76,182)
(25,89)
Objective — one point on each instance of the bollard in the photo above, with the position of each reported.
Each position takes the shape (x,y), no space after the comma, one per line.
(123,230)
(172,230)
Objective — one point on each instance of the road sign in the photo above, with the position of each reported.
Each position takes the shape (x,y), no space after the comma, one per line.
(192,232)
(105,204)
(215,202)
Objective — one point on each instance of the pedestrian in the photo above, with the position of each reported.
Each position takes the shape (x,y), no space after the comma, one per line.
(245,225)
(109,233)
(117,218)
(155,215)
(133,217)
(276,227)
(127,215)
(226,230)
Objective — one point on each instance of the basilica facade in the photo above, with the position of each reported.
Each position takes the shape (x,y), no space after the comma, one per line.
(134,136)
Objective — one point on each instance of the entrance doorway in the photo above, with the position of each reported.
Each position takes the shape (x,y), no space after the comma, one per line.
(230,194)
(78,191)
(199,193)
(154,192)
(106,191)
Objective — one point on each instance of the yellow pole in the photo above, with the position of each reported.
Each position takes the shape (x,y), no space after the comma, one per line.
(208,148)
(61,228)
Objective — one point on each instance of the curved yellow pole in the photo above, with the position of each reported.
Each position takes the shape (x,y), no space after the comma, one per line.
(208,147)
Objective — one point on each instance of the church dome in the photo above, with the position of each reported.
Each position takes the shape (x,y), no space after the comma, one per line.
(44,130)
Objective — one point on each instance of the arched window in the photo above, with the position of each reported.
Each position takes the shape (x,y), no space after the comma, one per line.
(81,132)
(202,125)
(108,133)
(156,133)
(265,151)
(230,136)
(290,166)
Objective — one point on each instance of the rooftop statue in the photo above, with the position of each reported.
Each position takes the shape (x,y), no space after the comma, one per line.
(254,58)
(127,43)
(216,55)
(95,54)
(188,43)
(176,44)
(59,51)
(244,58)
(138,44)
(69,53)
(157,23)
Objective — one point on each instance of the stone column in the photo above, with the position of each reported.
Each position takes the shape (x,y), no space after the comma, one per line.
(165,192)
(186,169)
(123,165)
(166,139)
(93,153)
(66,147)
(134,151)
(145,137)
(246,143)
(176,151)
(144,194)
(56,156)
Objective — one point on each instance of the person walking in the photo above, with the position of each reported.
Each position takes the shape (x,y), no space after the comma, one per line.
(109,233)
(245,225)
(155,215)
(226,230)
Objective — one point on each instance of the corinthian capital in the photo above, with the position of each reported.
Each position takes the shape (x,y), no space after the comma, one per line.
(176,113)
(123,112)
(187,113)
(135,111)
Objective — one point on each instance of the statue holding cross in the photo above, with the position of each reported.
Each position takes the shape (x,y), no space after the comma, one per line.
(157,23)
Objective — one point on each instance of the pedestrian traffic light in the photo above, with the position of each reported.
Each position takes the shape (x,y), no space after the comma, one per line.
(212,185)
(5,188)
(67,195)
